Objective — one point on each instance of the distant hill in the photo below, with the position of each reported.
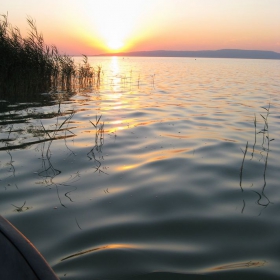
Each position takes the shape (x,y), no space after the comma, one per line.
(225,53)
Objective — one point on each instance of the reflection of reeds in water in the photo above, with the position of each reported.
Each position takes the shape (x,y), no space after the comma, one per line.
(265,133)
(21,208)
(48,171)
(10,163)
(58,129)
(253,149)
(263,200)
(97,148)
(29,67)
(241,169)
(12,168)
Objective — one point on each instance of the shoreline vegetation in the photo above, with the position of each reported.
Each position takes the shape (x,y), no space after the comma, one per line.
(30,67)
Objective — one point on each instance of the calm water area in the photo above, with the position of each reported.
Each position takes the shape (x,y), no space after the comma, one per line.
(168,170)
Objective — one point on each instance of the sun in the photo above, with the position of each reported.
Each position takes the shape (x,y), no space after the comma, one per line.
(115,44)
(116,22)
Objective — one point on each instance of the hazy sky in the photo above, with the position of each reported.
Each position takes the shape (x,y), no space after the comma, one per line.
(97,26)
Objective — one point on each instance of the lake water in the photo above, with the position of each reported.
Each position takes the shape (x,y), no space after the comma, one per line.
(149,176)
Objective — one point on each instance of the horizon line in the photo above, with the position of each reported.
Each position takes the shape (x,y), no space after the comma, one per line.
(219,53)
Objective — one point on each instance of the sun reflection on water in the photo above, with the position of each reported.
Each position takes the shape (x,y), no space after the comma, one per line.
(115,79)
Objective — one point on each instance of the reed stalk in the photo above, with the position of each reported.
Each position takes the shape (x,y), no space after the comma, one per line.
(241,168)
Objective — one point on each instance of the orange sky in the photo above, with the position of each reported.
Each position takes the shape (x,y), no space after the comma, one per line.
(93,27)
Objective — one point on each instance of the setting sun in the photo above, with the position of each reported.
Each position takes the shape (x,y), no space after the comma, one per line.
(115,44)
(116,24)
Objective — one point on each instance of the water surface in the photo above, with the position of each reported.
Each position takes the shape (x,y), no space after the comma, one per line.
(149,176)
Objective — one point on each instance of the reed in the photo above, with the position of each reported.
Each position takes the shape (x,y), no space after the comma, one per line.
(28,66)
(263,199)
(97,148)
(20,208)
(253,149)
(241,168)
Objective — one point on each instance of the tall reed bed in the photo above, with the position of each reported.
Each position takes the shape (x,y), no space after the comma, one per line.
(87,76)
(28,66)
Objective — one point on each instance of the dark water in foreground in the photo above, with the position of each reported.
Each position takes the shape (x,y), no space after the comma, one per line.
(149,177)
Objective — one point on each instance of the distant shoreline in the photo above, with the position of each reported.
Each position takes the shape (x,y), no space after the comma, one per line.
(224,53)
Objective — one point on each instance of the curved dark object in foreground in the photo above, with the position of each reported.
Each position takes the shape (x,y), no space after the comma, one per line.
(19,259)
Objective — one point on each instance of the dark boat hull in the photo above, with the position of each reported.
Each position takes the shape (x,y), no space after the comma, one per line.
(19,259)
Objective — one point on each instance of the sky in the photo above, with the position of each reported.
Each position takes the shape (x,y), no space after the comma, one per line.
(98,26)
